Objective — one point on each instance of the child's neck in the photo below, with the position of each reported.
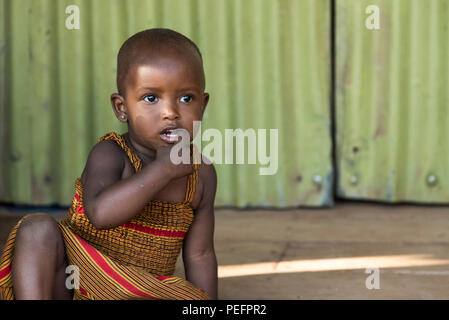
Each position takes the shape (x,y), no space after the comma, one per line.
(146,156)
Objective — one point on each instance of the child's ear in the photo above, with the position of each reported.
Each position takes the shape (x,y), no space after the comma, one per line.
(119,107)
(205,101)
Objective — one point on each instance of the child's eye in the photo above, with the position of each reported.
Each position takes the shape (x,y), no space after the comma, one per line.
(150,98)
(187,98)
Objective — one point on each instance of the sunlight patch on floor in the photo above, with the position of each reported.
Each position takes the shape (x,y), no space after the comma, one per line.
(335,264)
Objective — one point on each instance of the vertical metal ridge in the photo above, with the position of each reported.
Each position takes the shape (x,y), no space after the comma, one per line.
(257,188)
(394,111)
(4,97)
(431,89)
(227,195)
(278,92)
(240,24)
(414,95)
(298,85)
(54,171)
(20,58)
(444,130)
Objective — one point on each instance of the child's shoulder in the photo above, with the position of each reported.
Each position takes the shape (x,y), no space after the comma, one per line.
(107,151)
(207,178)
(207,172)
(105,156)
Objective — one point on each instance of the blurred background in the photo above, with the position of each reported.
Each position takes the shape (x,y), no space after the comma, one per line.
(361,114)
(267,66)
(367,120)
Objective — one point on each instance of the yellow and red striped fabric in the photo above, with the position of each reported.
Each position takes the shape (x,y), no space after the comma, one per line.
(133,261)
(107,279)
(6,291)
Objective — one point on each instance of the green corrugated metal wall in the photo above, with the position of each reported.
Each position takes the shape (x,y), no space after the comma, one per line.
(392,103)
(267,66)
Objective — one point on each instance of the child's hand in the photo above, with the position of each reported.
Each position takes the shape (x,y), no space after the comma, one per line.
(172,170)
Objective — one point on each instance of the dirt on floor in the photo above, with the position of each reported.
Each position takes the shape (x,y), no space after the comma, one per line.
(350,251)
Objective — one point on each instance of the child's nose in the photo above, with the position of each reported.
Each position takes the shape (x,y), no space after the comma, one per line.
(170,111)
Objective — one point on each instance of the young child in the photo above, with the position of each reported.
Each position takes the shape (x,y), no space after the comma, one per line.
(133,208)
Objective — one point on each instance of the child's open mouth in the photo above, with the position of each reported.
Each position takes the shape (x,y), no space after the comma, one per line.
(169,135)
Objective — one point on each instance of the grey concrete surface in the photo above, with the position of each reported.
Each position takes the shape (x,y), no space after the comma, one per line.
(324,253)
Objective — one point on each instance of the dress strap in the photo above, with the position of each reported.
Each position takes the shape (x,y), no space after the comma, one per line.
(133,158)
(191,184)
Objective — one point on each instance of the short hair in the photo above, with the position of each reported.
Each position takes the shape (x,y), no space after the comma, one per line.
(130,56)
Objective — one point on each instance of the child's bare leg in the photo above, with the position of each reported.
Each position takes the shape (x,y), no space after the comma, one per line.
(38,269)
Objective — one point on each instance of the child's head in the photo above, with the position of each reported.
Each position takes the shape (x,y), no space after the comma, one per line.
(161,82)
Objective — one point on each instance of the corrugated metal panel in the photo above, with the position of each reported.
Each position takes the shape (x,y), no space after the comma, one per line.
(393,101)
(267,66)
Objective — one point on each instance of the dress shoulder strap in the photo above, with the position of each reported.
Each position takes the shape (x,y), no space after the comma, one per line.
(191,184)
(133,158)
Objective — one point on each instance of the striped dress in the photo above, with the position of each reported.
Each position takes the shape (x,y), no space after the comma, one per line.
(133,261)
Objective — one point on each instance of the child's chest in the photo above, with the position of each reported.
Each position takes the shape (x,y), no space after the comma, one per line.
(174,191)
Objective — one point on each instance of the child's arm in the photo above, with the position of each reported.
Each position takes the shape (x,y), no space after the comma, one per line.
(198,252)
(110,201)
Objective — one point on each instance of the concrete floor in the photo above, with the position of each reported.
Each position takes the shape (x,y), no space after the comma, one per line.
(324,253)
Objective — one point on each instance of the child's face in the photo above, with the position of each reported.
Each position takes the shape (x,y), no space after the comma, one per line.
(166,94)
